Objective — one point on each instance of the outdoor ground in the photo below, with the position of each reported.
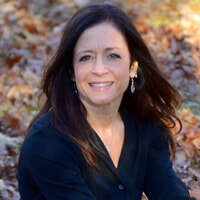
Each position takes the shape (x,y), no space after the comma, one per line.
(29,33)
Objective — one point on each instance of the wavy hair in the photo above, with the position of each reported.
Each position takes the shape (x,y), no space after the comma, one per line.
(154,99)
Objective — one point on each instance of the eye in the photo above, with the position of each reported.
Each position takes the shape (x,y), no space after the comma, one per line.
(85,58)
(114,56)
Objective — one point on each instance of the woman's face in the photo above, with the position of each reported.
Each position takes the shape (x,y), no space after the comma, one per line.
(102,65)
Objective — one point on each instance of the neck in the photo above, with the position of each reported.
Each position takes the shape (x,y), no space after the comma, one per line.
(104,120)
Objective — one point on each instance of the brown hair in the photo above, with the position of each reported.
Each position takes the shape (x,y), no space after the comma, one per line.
(153,99)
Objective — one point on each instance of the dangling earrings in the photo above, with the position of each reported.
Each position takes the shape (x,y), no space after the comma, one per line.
(132,86)
(132,83)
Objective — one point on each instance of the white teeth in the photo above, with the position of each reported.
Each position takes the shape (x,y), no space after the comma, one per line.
(100,84)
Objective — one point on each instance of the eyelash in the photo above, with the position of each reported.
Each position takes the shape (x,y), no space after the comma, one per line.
(85,58)
(115,56)
(88,57)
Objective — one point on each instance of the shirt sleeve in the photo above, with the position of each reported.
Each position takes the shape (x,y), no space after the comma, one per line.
(162,182)
(52,163)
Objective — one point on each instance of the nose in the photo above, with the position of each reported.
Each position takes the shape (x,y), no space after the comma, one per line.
(99,66)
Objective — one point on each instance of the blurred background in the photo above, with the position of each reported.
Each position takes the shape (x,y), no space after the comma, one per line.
(29,34)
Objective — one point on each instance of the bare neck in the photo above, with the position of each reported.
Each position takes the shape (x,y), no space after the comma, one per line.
(104,120)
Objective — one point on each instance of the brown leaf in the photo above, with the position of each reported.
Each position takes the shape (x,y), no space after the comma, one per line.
(20,91)
(11,60)
(12,125)
(196,143)
(195,194)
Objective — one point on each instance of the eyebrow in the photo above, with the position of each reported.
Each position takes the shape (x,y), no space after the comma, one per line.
(90,51)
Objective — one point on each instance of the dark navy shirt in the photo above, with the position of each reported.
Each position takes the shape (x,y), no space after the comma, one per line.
(51,166)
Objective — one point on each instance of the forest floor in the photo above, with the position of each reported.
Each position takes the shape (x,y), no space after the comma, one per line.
(29,34)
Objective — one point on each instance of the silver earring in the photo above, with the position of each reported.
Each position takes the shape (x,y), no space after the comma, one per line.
(132,86)
(132,83)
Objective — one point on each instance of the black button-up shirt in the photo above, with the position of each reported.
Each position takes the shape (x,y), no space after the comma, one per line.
(52,167)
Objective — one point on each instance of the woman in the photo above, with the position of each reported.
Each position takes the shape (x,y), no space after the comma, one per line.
(104,130)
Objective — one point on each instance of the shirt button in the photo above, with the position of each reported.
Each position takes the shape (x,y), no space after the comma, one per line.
(121,187)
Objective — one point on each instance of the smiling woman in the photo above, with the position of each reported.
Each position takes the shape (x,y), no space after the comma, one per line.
(104,130)
(102,68)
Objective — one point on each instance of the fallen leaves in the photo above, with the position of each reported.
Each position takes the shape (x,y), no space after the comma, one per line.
(189,138)
(29,36)
(11,125)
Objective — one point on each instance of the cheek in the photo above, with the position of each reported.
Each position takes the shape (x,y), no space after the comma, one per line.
(124,72)
(78,71)
(80,74)
(125,77)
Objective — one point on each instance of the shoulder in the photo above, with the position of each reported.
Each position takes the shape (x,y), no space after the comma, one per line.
(147,131)
(44,128)
(144,126)
(44,140)
(44,121)
(48,157)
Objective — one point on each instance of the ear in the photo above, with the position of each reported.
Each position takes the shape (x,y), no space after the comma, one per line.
(133,68)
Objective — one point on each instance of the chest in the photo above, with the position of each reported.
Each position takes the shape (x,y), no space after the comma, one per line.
(124,182)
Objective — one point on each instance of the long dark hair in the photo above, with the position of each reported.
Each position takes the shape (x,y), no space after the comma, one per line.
(153,99)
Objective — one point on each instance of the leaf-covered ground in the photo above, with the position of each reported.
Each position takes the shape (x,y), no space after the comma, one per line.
(29,33)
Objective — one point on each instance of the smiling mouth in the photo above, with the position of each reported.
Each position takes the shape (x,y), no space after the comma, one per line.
(99,85)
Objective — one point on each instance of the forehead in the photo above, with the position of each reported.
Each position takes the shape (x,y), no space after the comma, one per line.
(101,34)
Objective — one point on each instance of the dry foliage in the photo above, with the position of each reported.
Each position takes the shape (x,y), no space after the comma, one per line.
(29,36)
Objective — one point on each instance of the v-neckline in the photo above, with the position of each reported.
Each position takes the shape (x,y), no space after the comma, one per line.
(122,149)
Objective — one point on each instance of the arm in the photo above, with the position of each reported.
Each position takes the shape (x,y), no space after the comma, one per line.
(162,182)
(54,166)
